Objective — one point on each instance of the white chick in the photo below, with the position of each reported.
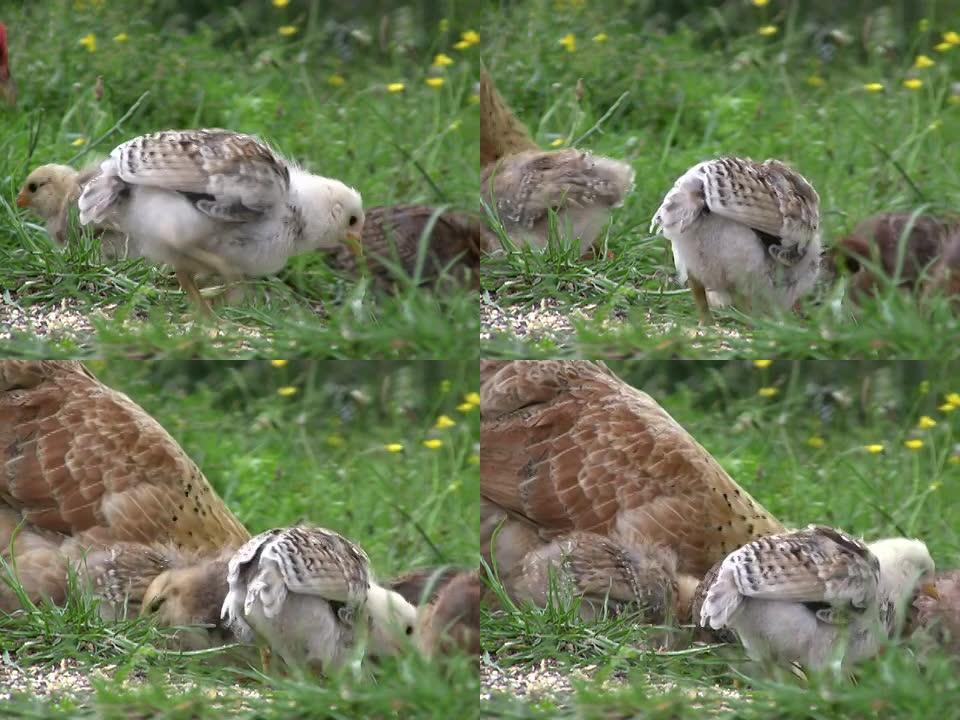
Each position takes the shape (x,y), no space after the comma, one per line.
(308,594)
(743,231)
(51,191)
(813,596)
(216,201)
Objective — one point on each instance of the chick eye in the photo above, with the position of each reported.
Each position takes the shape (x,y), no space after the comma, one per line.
(156,604)
(32,187)
(353,220)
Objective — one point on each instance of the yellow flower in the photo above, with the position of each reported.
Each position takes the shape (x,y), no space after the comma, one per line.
(926,422)
(279,363)
(461,45)
(280,3)
(762,364)
(947,407)
(444,25)
(287,391)
(768,392)
(760,3)
(569,42)
(873,87)
(433,443)
(474,398)
(435,82)
(79,141)
(444,422)
(470,37)
(942,47)
(913,444)
(465,407)
(558,142)
(953,398)
(474,459)
(442,60)
(951,37)
(121,37)
(393,447)
(815,81)
(335,440)
(922,62)
(815,441)
(287,30)
(89,41)
(913,84)
(767,30)
(336,80)
(873,449)
(600,38)
(395,87)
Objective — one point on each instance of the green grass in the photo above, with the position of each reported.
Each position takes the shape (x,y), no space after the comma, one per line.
(801,453)
(318,456)
(713,86)
(232,69)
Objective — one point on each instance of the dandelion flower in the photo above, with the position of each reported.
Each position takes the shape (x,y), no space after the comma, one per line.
(474,398)
(442,60)
(600,38)
(569,42)
(395,87)
(942,47)
(470,37)
(926,422)
(336,80)
(435,82)
(951,37)
(760,3)
(468,407)
(767,30)
(914,444)
(79,141)
(433,443)
(279,363)
(461,45)
(947,407)
(815,441)
(762,364)
(923,61)
(280,3)
(89,41)
(558,142)
(768,392)
(874,449)
(121,37)
(393,447)
(873,87)
(444,422)
(287,391)
(913,83)
(287,30)
(953,398)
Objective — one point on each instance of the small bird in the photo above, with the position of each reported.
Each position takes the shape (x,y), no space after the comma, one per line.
(898,248)
(51,191)
(216,201)
(523,184)
(309,595)
(939,617)
(813,596)
(8,87)
(566,445)
(449,622)
(391,240)
(744,231)
(946,273)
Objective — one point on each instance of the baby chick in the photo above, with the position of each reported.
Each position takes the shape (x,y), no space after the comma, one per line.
(215,201)
(896,247)
(450,621)
(744,230)
(939,616)
(524,184)
(309,595)
(946,274)
(816,595)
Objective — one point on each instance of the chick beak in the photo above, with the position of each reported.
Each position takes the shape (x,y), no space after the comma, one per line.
(930,590)
(23,198)
(354,242)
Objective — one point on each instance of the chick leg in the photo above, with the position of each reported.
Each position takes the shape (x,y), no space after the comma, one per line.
(700,298)
(190,288)
(232,288)
(265,656)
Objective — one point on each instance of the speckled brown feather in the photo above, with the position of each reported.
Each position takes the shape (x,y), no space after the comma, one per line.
(392,233)
(451,621)
(566,445)
(421,585)
(501,132)
(84,461)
